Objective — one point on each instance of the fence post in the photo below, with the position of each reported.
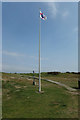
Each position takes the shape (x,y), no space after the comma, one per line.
(34,83)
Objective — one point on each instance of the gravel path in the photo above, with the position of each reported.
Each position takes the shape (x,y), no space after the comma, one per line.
(58,83)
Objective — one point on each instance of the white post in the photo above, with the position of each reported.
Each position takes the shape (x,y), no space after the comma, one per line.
(39,52)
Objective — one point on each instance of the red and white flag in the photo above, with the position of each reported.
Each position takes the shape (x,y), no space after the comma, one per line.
(43,16)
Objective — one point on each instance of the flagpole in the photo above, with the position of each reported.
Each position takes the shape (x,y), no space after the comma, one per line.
(39,50)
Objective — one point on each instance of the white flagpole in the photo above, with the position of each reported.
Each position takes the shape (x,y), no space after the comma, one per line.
(39,50)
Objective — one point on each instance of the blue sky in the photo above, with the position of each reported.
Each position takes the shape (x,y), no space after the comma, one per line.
(59,36)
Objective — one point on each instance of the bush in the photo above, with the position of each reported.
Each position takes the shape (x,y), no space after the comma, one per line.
(53,73)
(67,72)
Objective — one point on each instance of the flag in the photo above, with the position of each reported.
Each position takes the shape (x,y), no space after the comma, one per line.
(42,16)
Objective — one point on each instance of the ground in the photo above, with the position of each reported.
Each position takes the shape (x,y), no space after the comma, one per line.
(21,98)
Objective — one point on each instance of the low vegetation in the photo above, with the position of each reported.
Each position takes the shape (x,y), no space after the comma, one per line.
(21,98)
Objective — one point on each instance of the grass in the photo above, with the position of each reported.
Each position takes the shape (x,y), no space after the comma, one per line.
(0,95)
(0,103)
(21,99)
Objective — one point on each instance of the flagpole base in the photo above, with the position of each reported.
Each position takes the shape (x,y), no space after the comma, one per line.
(40,92)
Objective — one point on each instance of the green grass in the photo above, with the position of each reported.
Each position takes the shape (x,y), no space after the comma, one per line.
(0,103)
(22,100)
(0,95)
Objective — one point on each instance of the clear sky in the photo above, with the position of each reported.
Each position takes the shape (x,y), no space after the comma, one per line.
(59,36)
